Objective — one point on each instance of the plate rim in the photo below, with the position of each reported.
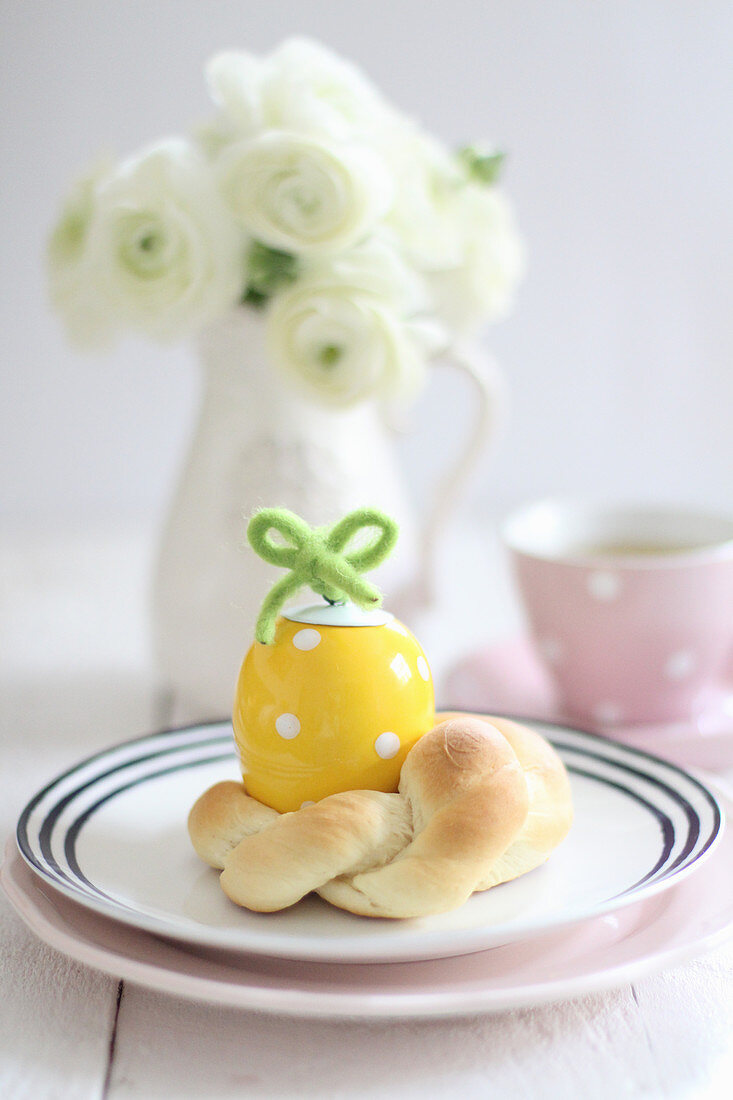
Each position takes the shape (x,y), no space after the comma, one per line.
(360,950)
(286,1001)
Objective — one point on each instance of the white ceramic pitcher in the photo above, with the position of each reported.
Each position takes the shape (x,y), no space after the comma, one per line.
(258,443)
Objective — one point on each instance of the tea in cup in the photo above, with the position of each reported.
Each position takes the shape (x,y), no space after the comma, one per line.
(630,608)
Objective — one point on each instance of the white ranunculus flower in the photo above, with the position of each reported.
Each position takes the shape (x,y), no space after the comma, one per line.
(427,179)
(161,254)
(480,288)
(301,86)
(375,268)
(303,194)
(338,338)
(73,294)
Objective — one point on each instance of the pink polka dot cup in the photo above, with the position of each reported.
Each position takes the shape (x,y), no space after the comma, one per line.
(630,609)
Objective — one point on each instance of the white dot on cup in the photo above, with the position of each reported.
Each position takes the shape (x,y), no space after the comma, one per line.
(680,665)
(551,649)
(603,585)
(607,713)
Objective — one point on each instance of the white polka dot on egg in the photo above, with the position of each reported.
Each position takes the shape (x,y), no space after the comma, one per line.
(306,639)
(422,668)
(603,585)
(387,745)
(288,726)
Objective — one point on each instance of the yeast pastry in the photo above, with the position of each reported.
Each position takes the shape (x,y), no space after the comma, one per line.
(481,800)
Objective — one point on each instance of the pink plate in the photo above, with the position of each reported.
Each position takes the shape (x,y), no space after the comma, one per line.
(600,953)
(507,678)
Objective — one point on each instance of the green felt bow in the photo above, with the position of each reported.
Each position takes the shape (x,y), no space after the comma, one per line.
(317,557)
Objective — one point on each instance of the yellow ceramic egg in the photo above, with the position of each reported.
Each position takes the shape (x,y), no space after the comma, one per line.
(335,703)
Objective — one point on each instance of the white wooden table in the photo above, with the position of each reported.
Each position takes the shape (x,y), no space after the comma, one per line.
(75,677)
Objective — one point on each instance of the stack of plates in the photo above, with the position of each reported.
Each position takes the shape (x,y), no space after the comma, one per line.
(103,870)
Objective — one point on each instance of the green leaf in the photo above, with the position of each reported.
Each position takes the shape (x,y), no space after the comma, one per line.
(252,297)
(482,167)
(268,269)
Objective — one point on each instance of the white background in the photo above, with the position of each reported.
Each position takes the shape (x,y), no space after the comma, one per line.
(617,117)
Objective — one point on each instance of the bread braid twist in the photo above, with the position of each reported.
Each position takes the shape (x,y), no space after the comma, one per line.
(481,801)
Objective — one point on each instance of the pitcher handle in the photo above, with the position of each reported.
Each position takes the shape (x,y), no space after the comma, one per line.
(482,370)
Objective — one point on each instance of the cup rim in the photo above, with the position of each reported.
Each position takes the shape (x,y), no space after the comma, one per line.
(514,532)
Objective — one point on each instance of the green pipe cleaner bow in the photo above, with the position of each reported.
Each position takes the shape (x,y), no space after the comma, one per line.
(318,557)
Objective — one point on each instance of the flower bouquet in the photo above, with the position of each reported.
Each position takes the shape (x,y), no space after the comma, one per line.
(366,244)
(322,248)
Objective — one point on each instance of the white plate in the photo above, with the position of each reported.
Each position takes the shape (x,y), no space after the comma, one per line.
(111,834)
(602,953)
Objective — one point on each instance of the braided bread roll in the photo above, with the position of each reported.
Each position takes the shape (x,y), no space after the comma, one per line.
(480,802)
